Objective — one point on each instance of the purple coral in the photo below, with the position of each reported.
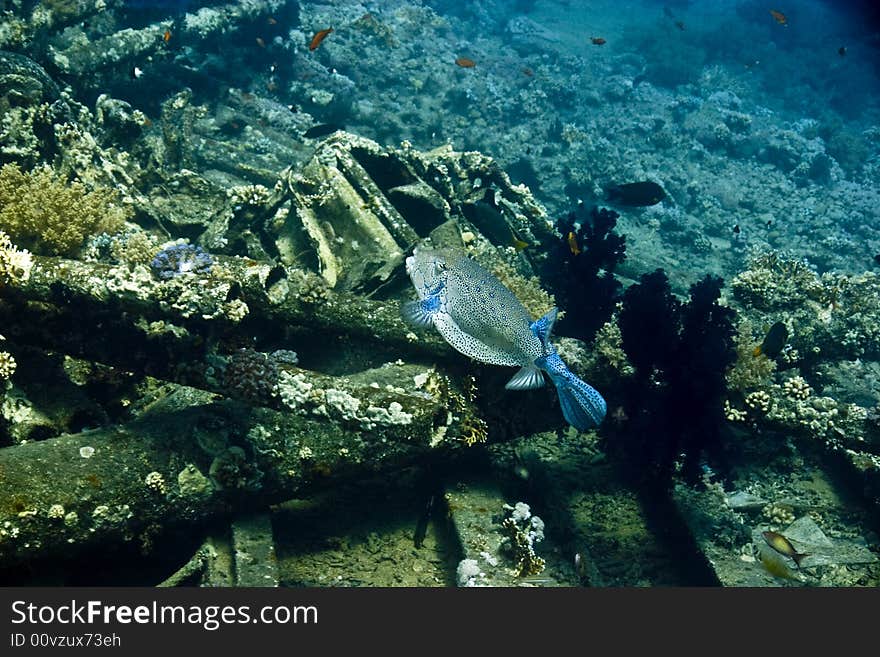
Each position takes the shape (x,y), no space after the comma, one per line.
(251,375)
(179,259)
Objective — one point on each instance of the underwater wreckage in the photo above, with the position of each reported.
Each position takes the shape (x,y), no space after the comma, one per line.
(144,400)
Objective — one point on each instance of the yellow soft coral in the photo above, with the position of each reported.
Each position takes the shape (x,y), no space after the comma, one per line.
(48,215)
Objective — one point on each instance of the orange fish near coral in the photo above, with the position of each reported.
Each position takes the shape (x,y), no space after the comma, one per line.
(598,41)
(779,17)
(573,243)
(167,36)
(319,37)
(465,62)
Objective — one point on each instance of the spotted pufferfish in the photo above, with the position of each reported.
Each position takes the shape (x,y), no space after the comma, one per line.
(479,317)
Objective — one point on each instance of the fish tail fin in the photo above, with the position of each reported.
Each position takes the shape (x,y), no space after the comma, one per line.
(417,314)
(582,405)
(797,557)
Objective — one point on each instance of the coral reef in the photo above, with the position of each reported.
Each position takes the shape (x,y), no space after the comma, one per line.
(44,213)
(681,352)
(251,375)
(15,264)
(580,267)
(7,365)
(832,315)
(179,260)
(750,370)
(209,142)
(523,531)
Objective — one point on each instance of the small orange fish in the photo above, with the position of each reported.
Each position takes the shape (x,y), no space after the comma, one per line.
(319,37)
(598,41)
(167,36)
(573,243)
(261,42)
(465,62)
(779,17)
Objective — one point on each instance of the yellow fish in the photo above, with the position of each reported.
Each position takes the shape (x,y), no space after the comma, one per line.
(517,243)
(783,546)
(573,243)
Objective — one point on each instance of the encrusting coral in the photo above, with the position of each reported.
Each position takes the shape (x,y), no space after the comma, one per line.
(51,216)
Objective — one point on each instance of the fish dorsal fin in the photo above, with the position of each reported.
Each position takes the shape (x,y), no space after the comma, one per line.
(542,328)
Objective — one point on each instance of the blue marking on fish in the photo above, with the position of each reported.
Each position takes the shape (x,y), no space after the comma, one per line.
(479,317)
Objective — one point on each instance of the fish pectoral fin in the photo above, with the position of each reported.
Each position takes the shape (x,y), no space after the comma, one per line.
(416,313)
(542,328)
(527,378)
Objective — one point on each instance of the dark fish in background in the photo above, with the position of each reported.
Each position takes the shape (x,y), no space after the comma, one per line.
(322,130)
(841,51)
(598,41)
(783,546)
(773,342)
(637,194)
(421,530)
(736,229)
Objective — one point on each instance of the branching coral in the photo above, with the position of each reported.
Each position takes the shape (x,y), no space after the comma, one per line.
(834,315)
(7,365)
(48,215)
(750,370)
(15,265)
(523,530)
(580,270)
(777,281)
(681,354)
(609,345)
